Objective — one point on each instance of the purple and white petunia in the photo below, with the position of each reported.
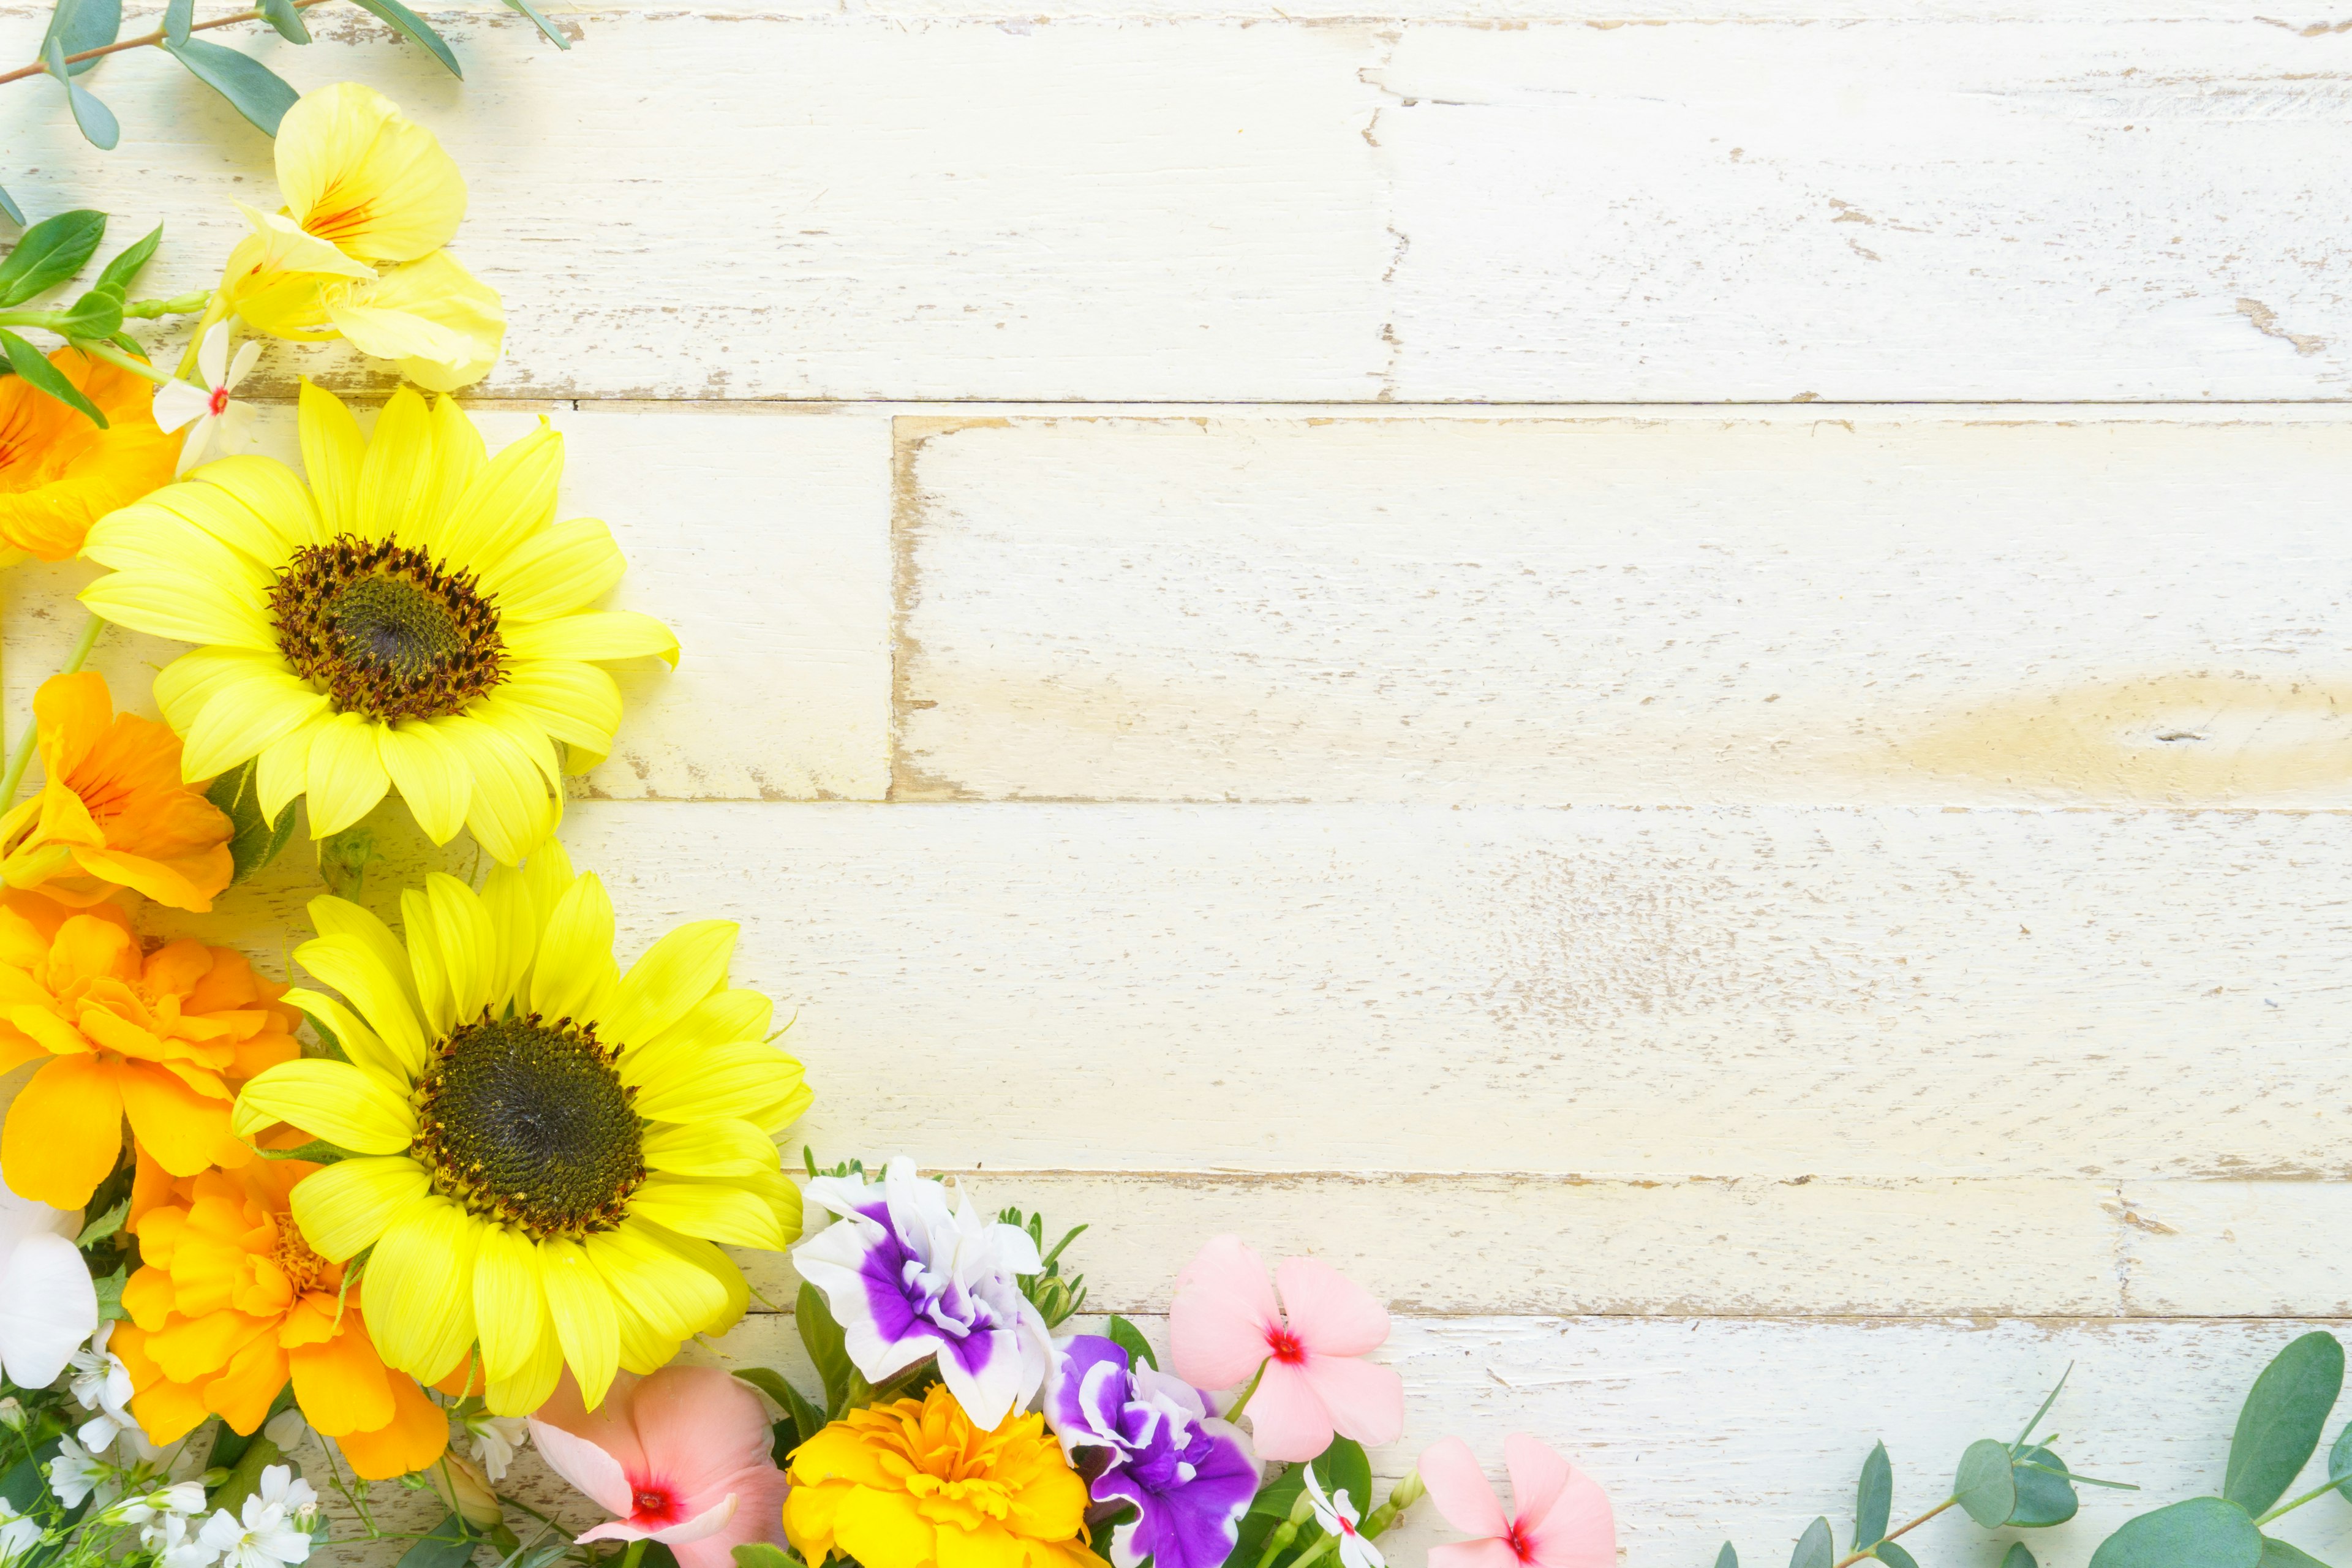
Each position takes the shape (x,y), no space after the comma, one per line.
(908,1277)
(1189,1476)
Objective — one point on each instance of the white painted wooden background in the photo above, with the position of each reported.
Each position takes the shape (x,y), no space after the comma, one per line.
(1671,676)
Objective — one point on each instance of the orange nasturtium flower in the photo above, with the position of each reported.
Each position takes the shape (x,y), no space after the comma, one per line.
(231,1301)
(114,813)
(161,1037)
(60,472)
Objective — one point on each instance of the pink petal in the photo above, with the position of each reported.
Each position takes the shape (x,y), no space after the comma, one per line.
(608,1426)
(1538,1475)
(709,1521)
(1366,1402)
(1456,1485)
(596,1473)
(698,1425)
(1287,1420)
(1329,1311)
(614,1530)
(1223,1309)
(1487,1553)
(1580,1531)
(759,1516)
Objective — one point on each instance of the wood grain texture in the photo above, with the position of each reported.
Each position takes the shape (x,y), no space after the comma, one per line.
(1215,209)
(760,539)
(1704,1428)
(1673,607)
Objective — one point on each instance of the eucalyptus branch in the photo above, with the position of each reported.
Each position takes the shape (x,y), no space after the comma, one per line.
(1864,1555)
(147,40)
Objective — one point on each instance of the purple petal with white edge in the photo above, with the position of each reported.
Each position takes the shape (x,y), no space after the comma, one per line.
(1073,1408)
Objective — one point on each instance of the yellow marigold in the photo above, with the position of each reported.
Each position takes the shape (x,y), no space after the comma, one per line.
(913,1484)
(60,472)
(114,813)
(230,1302)
(160,1037)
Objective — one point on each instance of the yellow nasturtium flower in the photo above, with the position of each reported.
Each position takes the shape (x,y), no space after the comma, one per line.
(370,199)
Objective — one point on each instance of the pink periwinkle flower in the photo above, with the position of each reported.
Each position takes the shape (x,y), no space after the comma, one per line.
(1560,1518)
(1226,1323)
(682,1456)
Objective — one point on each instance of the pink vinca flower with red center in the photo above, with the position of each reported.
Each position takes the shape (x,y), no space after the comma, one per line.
(682,1456)
(1225,1324)
(1560,1517)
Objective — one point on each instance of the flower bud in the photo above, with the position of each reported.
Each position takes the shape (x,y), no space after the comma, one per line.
(12,1414)
(461,1484)
(1408,1491)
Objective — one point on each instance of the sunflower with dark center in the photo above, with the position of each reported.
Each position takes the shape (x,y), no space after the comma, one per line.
(546,1154)
(410,618)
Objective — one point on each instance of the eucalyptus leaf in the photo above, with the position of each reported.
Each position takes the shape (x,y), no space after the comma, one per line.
(1894,1557)
(81,26)
(177,16)
(1815,1547)
(252,88)
(2019,1557)
(2339,1461)
(2204,1533)
(92,119)
(1130,1337)
(48,253)
(1727,1558)
(27,362)
(446,1545)
(2043,1499)
(254,840)
(408,22)
(821,1337)
(8,205)
(542,23)
(2279,1554)
(1984,1486)
(282,15)
(123,270)
(2280,1424)
(1874,1495)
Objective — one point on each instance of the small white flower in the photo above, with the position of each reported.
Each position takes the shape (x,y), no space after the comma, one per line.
(18,1535)
(74,1474)
(282,1489)
(289,1430)
(1338,1517)
(216,425)
(174,1546)
(146,1509)
(496,1438)
(102,1383)
(12,1414)
(276,1529)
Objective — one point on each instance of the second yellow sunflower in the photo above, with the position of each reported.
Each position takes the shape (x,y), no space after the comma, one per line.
(412,617)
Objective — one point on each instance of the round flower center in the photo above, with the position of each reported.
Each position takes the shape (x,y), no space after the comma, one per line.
(1284,1346)
(219,403)
(527,1124)
(384,631)
(294,1257)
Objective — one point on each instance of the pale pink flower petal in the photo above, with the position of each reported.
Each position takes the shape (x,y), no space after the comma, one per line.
(1329,1311)
(1491,1552)
(1366,1402)
(704,1424)
(758,1496)
(607,1425)
(708,1523)
(1581,1530)
(1222,1312)
(1458,1487)
(1537,1478)
(1287,1421)
(595,1474)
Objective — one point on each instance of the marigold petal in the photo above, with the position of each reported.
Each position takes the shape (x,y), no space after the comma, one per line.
(64,1132)
(346,1208)
(182,1127)
(416,1435)
(341,1382)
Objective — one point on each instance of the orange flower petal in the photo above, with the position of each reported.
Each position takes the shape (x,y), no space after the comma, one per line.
(182,1127)
(64,1132)
(243,1394)
(413,1438)
(341,1382)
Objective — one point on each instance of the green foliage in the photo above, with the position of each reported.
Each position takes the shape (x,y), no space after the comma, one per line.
(2281,1420)
(1986,1484)
(1130,1337)
(51,251)
(1894,1557)
(2019,1557)
(802,1420)
(318,1151)
(2279,1554)
(1056,1299)
(2204,1533)
(92,119)
(1874,1495)
(105,1225)
(2339,1461)
(38,373)
(821,1337)
(1728,1557)
(252,88)
(254,841)
(415,28)
(761,1555)
(446,1545)
(1814,1548)
(2045,1491)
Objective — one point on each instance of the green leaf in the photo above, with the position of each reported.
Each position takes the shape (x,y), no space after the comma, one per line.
(94,120)
(2339,1461)
(27,361)
(805,1418)
(81,26)
(1343,1465)
(252,88)
(821,1336)
(2019,1557)
(2281,1423)
(105,1225)
(124,269)
(1728,1557)
(1873,1495)
(1814,1548)
(1130,1337)
(406,21)
(1894,1557)
(254,841)
(281,15)
(8,205)
(2279,1554)
(318,1151)
(110,1294)
(177,15)
(2204,1533)
(2043,1499)
(48,253)
(542,23)
(762,1554)
(1985,1486)
(446,1545)
(97,314)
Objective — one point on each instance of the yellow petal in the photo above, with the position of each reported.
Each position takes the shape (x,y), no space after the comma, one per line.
(721,1018)
(362,1045)
(586,1326)
(577,703)
(241,720)
(574,974)
(599,635)
(185,685)
(284,767)
(706,1256)
(736,1080)
(534,1382)
(458,458)
(445,326)
(189,608)
(716,1210)
(508,501)
(347,964)
(179,529)
(681,968)
(565,568)
(721,1146)
(420,1288)
(397,471)
(331,916)
(466,944)
(346,1105)
(429,775)
(509,1305)
(347,776)
(674,1298)
(333,451)
(345,1207)
(510,811)
(358,172)
(276,497)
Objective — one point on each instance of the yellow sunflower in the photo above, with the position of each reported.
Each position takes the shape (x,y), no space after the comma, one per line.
(413,619)
(543,1149)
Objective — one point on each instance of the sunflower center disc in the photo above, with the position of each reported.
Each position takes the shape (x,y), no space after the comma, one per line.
(526,1123)
(385,631)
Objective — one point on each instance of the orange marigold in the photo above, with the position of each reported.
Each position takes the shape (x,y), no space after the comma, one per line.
(231,1301)
(114,813)
(60,472)
(160,1037)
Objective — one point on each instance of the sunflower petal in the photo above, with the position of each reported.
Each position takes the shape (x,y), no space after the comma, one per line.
(675,1299)
(507,502)
(429,775)
(508,1304)
(185,685)
(360,1046)
(585,1324)
(346,1105)
(397,472)
(458,459)
(715,1210)
(332,916)
(598,636)
(663,985)
(333,451)
(185,608)
(574,974)
(577,703)
(467,940)
(510,811)
(353,967)
(721,1146)
(343,1208)
(275,495)
(720,1081)
(567,567)
(243,719)
(420,1288)
(347,776)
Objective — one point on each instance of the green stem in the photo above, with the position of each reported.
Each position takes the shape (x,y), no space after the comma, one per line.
(115,356)
(22,755)
(2312,1496)
(177,305)
(1851,1558)
(1239,1405)
(635,1553)
(1322,1548)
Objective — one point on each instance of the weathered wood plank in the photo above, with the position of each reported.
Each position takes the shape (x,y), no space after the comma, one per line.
(1334,207)
(1768,992)
(1866,605)
(760,537)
